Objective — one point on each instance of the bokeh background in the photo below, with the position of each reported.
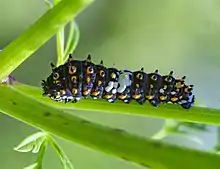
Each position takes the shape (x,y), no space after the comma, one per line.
(183,35)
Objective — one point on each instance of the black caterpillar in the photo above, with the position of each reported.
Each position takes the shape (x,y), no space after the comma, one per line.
(83,79)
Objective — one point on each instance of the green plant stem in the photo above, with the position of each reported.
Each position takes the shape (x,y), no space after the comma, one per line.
(218,135)
(170,127)
(63,158)
(73,39)
(160,134)
(195,114)
(60,47)
(49,4)
(152,154)
(216,148)
(33,38)
(41,153)
(60,37)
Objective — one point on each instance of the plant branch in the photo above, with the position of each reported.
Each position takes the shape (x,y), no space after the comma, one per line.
(40,32)
(63,157)
(169,111)
(60,47)
(152,154)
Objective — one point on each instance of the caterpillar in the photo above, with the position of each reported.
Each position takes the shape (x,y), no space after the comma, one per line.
(77,79)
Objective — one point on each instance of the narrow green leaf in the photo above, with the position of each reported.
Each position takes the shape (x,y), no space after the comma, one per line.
(116,142)
(41,153)
(60,47)
(216,148)
(56,1)
(32,166)
(60,42)
(73,39)
(63,157)
(171,127)
(193,138)
(49,4)
(160,135)
(169,111)
(60,37)
(194,126)
(36,143)
(31,143)
(39,33)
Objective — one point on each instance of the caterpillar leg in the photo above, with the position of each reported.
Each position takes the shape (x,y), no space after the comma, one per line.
(141,101)
(111,101)
(67,100)
(186,105)
(189,103)
(74,101)
(127,101)
(154,102)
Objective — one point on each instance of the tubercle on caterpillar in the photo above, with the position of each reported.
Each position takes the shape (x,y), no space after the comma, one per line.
(77,79)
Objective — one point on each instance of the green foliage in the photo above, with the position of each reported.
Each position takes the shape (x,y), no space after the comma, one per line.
(31,143)
(63,158)
(168,111)
(35,143)
(48,3)
(109,140)
(32,166)
(72,41)
(33,38)
(25,103)
(194,126)
(173,127)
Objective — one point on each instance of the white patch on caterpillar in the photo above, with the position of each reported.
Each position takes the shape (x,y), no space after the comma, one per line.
(173,92)
(190,97)
(115,85)
(78,98)
(110,100)
(114,91)
(112,86)
(161,90)
(109,87)
(124,81)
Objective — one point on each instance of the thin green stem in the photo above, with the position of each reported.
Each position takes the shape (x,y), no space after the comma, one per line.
(63,158)
(169,111)
(218,135)
(171,127)
(60,46)
(167,128)
(216,148)
(152,154)
(41,153)
(40,32)
(73,39)
(60,41)
(49,4)
(70,37)
(160,134)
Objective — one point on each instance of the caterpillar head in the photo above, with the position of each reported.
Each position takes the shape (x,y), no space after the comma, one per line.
(54,83)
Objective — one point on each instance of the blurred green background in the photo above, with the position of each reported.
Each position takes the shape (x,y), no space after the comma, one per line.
(183,35)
